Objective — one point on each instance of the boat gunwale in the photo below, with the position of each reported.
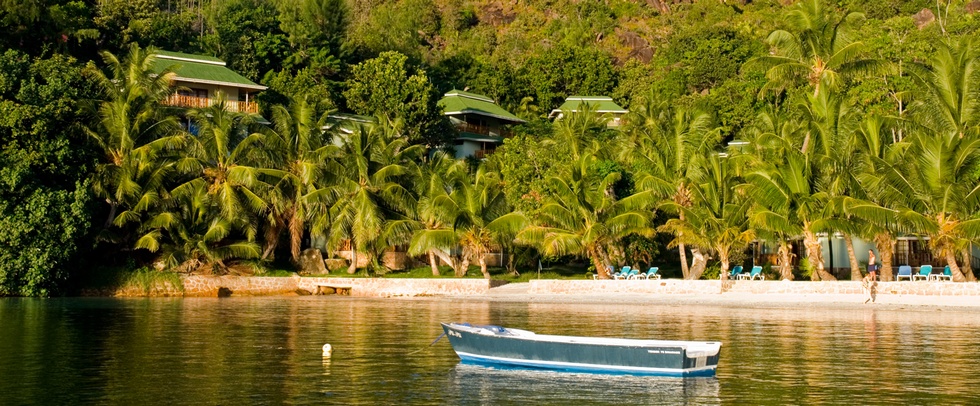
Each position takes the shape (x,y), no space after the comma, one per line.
(692,348)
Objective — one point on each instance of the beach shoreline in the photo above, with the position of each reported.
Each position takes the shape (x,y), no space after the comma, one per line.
(740,300)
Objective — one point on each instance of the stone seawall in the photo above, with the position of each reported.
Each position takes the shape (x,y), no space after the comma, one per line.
(213,286)
(667,286)
(714,287)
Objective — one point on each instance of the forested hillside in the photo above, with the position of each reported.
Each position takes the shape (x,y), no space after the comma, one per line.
(829,96)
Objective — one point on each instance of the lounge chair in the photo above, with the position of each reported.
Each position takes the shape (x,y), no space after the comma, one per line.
(947,274)
(634,274)
(735,272)
(609,268)
(924,272)
(650,274)
(755,273)
(622,274)
(904,271)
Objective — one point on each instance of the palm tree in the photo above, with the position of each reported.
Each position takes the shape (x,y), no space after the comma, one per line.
(297,151)
(821,50)
(438,174)
(370,201)
(134,134)
(716,220)
(947,99)
(832,125)
(582,217)
(219,154)
(663,140)
(873,203)
(787,202)
(936,191)
(473,211)
(191,233)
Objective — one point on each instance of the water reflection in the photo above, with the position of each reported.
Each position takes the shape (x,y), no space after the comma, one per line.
(268,350)
(479,385)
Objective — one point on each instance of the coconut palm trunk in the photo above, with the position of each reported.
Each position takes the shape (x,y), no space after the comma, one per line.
(885,244)
(785,261)
(352,268)
(433,264)
(684,268)
(723,257)
(683,252)
(967,267)
(698,264)
(464,266)
(856,274)
(483,265)
(296,225)
(951,261)
(814,253)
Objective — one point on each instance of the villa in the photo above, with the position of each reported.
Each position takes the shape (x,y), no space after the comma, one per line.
(482,124)
(600,104)
(200,79)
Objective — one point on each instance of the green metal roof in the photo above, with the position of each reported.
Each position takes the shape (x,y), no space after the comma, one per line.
(460,102)
(602,104)
(463,135)
(349,122)
(202,69)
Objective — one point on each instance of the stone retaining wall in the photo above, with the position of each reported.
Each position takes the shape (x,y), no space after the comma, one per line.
(678,286)
(213,286)
(382,287)
(667,286)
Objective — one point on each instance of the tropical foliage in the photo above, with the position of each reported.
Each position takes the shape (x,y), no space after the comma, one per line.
(752,125)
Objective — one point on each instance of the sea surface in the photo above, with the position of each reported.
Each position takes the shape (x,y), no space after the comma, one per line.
(267,350)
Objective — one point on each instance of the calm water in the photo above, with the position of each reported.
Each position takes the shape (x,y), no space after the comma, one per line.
(267,351)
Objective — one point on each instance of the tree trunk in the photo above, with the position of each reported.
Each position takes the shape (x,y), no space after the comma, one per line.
(885,244)
(684,268)
(463,267)
(352,269)
(856,274)
(967,267)
(447,258)
(433,264)
(272,237)
(600,269)
(698,264)
(814,254)
(785,262)
(295,234)
(113,206)
(483,266)
(723,257)
(957,273)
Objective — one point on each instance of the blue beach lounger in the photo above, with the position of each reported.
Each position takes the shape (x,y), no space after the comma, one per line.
(924,272)
(904,271)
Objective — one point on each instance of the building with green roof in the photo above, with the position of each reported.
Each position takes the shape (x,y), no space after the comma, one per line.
(481,123)
(600,104)
(201,78)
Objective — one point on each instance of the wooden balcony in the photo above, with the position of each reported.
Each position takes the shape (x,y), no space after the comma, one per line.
(484,130)
(483,153)
(192,102)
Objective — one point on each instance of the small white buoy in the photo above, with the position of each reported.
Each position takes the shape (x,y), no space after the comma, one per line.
(327,350)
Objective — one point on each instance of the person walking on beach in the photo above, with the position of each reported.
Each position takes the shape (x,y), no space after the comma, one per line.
(870,282)
(870,288)
(872,267)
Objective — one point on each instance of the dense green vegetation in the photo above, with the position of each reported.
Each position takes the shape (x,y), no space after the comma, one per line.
(851,116)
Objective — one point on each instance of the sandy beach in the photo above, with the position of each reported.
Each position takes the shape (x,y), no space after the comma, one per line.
(520,292)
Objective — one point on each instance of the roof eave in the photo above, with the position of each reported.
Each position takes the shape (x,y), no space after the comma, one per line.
(514,119)
(220,83)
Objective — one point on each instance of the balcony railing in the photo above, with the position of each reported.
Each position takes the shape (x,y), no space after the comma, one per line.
(483,153)
(178,100)
(484,130)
